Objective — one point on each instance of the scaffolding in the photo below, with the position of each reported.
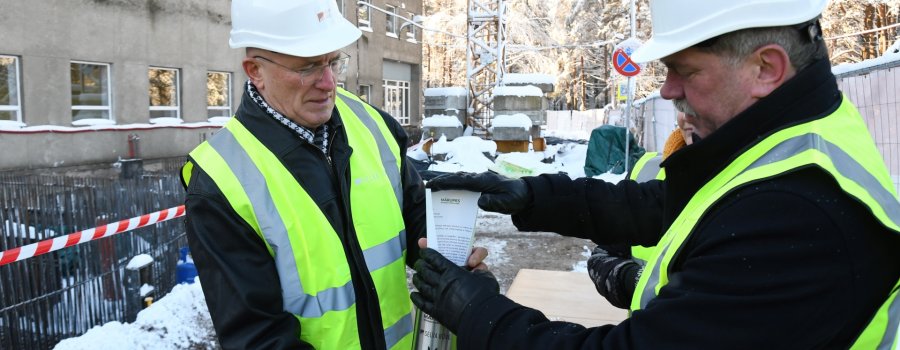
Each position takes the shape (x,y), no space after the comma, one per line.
(485,58)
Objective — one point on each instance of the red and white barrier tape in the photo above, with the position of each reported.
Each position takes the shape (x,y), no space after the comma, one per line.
(54,244)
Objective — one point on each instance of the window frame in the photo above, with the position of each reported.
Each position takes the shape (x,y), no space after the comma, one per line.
(177,107)
(17,108)
(367,95)
(390,24)
(109,90)
(227,95)
(367,22)
(402,87)
(412,31)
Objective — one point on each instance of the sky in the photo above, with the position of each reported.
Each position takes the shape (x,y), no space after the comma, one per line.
(180,320)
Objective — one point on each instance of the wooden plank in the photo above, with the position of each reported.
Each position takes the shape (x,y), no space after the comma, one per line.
(564,296)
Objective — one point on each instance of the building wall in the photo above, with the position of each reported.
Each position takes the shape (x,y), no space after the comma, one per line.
(134,35)
(129,35)
(375,46)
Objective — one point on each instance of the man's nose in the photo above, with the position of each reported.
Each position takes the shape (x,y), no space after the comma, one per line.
(328,80)
(672,88)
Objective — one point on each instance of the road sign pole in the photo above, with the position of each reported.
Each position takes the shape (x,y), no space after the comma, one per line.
(628,103)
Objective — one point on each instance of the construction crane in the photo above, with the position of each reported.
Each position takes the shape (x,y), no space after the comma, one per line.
(485,58)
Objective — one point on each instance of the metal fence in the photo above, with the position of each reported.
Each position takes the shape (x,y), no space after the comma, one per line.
(874,91)
(64,293)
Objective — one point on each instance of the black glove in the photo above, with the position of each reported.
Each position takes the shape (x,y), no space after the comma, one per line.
(498,193)
(614,276)
(446,290)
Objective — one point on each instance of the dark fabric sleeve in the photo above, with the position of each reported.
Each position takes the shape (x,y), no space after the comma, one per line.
(413,193)
(237,274)
(627,212)
(766,269)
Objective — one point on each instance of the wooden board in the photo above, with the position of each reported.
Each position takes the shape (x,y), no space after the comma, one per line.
(564,296)
(511,146)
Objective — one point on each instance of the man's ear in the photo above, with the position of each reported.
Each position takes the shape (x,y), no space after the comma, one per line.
(251,67)
(772,68)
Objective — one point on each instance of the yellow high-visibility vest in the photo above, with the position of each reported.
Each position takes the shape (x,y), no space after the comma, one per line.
(312,267)
(646,169)
(839,144)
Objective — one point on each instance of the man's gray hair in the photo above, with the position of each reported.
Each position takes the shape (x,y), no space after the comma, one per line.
(801,50)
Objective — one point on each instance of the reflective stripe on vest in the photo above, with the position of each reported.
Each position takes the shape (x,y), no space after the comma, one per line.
(316,284)
(646,169)
(839,144)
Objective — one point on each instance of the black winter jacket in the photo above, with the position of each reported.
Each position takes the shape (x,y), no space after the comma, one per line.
(236,271)
(791,262)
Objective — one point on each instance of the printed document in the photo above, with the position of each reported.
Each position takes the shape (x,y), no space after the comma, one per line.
(450,219)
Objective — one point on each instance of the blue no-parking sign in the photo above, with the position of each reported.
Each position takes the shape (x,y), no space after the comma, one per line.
(621,58)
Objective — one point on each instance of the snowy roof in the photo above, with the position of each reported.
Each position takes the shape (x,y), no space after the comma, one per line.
(533,78)
(446,91)
(521,91)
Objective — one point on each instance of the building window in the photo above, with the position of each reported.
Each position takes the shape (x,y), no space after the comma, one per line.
(218,94)
(365,92)
(164,93)
(396,100)
(413,30)
(91,93)
(364,15)
(390,24)
(10,106)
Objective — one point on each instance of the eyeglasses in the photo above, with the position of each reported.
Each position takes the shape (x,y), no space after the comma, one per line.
(314,73)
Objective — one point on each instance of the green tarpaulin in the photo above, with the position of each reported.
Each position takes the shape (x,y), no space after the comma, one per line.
(606,151)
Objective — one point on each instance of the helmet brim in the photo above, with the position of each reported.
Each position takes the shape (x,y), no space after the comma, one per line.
(341,35)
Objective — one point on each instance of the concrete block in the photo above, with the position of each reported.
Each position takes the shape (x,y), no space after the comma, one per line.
(435,132)
(510,133)
(518,103)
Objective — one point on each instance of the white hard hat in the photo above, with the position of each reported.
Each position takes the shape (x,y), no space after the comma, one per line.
(679,24)
(303,28)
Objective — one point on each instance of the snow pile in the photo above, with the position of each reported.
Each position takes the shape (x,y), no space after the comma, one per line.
(440,120)
(93,122)
(166,121)
(178,321)
(219,120)
(520,91)
(517,120)
(465,153)
(446,91)
(521,78)
(11,125)
(139,261)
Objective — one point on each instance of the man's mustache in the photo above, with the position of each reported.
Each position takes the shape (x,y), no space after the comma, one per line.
(682,106)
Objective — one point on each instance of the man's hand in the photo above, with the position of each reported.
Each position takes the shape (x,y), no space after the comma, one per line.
(446,290)
(475,261)
(498,193)
(614,275)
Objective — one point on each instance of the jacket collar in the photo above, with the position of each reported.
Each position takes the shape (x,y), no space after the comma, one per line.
(275,136)
(811,94)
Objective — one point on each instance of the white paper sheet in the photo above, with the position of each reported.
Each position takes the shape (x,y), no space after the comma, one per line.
(450,219)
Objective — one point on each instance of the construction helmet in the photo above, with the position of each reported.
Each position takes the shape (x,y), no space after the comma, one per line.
(303,28)
(679,24)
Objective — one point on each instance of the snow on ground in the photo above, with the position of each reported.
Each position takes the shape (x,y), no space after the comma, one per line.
(180,320)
